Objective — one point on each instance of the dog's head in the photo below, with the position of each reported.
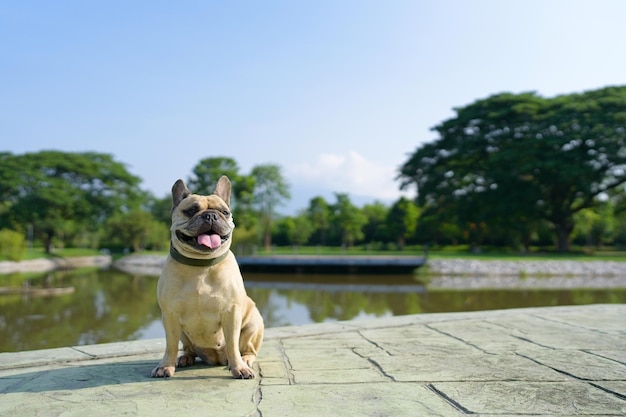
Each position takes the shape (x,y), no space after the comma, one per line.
(202,226)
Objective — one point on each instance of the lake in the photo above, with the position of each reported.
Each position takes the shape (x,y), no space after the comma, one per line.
(111,306)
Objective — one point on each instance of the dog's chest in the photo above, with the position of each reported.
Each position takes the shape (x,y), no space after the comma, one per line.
(199,310)
(200,300)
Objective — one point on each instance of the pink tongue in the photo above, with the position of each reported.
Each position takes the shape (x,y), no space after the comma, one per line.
(212,241)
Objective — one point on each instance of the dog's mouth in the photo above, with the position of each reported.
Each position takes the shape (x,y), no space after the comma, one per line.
(204,241)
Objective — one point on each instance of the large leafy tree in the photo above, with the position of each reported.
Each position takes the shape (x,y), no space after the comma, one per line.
(509,161)
(59,192)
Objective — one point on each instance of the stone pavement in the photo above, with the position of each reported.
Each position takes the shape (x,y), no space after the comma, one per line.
(557,361)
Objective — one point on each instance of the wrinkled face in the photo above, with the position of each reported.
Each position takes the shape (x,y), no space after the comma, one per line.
(202,226)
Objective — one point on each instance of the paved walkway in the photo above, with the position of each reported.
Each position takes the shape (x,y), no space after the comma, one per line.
(559,361)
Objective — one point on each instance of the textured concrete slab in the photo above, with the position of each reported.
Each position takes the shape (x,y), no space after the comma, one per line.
(41,357)
(371,399)
(561,361)
(531,398)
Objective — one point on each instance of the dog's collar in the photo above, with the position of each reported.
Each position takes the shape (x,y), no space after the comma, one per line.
(196,262)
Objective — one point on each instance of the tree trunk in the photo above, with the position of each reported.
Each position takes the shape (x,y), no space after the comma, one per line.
(563,232)
(526,242)
(48,242)
(267,240)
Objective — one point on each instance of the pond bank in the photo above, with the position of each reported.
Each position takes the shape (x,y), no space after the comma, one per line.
(473,274)
(152,264)
(437,274)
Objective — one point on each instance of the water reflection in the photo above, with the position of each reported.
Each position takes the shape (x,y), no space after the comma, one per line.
(110,306)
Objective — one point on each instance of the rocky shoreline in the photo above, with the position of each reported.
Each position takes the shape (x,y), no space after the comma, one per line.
(526,268)
(141,264)
(475,274)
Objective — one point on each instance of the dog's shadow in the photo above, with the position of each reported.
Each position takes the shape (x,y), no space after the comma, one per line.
(83,376)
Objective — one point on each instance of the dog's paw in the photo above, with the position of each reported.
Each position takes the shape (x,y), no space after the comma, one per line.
(242,372)
(248,359)
(186,360)
(162,372)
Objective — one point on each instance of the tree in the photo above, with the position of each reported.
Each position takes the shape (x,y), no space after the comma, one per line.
(270,191)
(208,170)
(12,245)
(319,214)
(508,161)
(56,191)
(137,229)
(376,228)
(402,220)
(595,226)
(295,230)
(349,219)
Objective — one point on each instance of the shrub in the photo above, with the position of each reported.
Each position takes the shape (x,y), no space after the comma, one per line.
(12,245)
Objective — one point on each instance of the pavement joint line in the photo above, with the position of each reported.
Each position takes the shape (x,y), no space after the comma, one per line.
(91,356)
(459,339)
(257,396)
(608,391)
(360,333)
(525,339)
(286,363)
(376,365)
(381,370)
(566,323)
(449,400)
(538,362)
(590,352)
(514,329)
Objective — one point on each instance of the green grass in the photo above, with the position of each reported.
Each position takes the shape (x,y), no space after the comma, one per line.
(38,253)
(461,252)
(458,252)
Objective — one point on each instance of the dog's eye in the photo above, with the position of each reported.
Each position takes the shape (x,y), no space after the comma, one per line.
(225,212)
(190,211)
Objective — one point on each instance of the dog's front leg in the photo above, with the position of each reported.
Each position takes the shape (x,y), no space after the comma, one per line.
(231,323)
(167,366)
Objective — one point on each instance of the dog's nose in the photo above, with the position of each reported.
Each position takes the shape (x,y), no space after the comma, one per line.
(210,216)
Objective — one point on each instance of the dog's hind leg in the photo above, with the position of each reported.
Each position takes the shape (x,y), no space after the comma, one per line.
(212,356)
(188,357)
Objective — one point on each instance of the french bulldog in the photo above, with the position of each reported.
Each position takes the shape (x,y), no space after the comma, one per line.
(201,292)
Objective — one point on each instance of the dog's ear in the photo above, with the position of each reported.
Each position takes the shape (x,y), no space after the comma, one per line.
(222,189)
(179,192)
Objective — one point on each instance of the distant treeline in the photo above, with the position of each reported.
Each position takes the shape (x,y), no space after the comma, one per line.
(510,170)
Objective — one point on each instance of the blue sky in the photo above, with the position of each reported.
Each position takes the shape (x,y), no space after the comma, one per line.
(338,93)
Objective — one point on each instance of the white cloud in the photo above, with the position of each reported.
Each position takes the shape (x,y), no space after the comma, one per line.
(351,173)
